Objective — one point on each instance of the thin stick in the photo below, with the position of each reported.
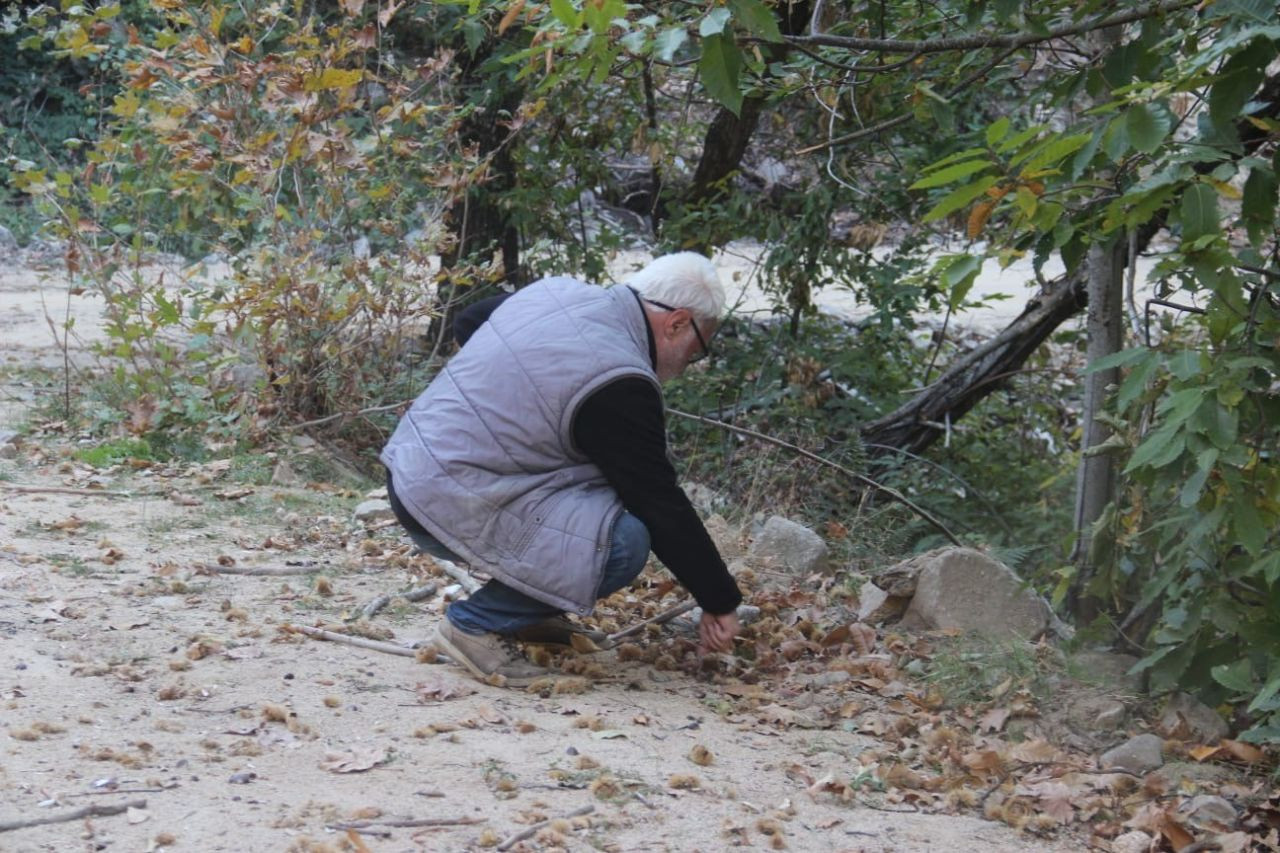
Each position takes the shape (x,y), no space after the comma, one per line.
(262,571)
(343,415)
(459,574)
(348,640)
(533,830)
(87,811)
(411,822)
(118,791)
(382,601)
(665,616)
(64,490)
(893,494)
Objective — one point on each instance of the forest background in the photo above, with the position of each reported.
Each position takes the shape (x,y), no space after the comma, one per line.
(362,169)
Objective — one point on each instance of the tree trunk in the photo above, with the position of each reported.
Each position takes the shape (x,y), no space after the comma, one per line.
(1096,475)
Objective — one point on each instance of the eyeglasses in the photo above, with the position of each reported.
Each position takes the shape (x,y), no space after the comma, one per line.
(702,342)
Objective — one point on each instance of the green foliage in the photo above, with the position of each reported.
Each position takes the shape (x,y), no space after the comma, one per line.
(110,453)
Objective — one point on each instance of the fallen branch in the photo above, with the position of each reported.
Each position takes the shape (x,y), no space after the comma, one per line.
(67,490)
(892,493)
(459,574)
(418,594)
(262,571)
(87,811)
(410,822)
(348,640)
(531,831)
(665,616)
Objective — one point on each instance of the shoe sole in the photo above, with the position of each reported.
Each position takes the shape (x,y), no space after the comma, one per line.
(480,675)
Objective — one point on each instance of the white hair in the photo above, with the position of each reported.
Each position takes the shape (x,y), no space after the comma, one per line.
(682,280)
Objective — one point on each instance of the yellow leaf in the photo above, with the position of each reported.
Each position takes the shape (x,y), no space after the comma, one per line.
(353,8)
(333,78)
(1226,189)
(978,218)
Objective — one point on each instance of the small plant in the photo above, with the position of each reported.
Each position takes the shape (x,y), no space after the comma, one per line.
(114,452)
(969,670)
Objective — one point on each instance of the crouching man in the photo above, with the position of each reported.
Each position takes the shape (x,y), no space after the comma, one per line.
(538,455)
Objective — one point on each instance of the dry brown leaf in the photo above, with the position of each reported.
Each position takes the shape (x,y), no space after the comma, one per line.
(582,644)
(993,720)
(440,689)
(1038,751)
(233,494)
(1176,834)
(1203,753)
(863,638)
(984,761)
(835,637)
(1243,752)
(354,760)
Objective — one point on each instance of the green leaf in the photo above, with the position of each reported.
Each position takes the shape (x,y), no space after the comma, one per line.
(1155,449)
(667,42)
(714,23)
(1239,79)
(1135,384)
(1250,531)
(1258,206)
(757,18)
(1181,405)
(1147,125)
(1237,676)
(566,14)
(1270,689)
(958,198)
(1051,152)
(1190,494)
(951,173)
(1019,139)
(719,67)
(1199,211)
(997,130)
(1115,141)
(1118,359)
(958,273)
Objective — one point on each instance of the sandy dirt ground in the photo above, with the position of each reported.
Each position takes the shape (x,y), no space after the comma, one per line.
(136,675)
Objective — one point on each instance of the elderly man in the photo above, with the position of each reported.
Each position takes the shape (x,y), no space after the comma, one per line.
(538,455)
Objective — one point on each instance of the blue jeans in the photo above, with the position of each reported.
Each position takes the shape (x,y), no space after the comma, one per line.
(499,609)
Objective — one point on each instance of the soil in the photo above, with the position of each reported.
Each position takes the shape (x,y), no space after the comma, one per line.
(135,670)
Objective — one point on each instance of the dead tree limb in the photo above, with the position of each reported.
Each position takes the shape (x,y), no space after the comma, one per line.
(87,811)
(348,640)
(891,493)
(533,830)
(417,594)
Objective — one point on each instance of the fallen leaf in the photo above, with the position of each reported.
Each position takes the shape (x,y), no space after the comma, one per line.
(1176,834)
(354,760)
(993,720)
(1245,752)
(440,689)
(1203,753)
(233,494)
(608,734)
(136,815)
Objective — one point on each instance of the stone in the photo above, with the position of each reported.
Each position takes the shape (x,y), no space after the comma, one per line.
(900,579)
(8,243)
(876,606)
(966,590)
(379,493)
(728,539)
(790,546)
(284,475)
(1135,841)
(1094,714)
(374,510)
(1138,755)
(1187,718)
(1105,668)
(1208,811)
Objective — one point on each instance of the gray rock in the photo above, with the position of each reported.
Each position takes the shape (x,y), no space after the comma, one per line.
(727,537)
(8,243)
(374,510)
(1209,811)
(900,579)
(361,247)
(284,475)
(790,546)
(959,588)
(1187,718)
(1110,669)
(1096,714)
(876,606)
(9,436)
(1138,755)
(1135,841)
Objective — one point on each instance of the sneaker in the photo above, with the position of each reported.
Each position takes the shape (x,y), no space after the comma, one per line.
(492,658)
(556,631)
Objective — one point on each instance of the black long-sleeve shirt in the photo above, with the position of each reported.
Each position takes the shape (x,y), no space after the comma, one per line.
(621,428)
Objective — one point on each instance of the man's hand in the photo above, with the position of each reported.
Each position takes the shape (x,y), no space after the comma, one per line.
(716,632)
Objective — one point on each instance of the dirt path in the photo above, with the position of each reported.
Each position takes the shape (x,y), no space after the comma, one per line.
(134,671)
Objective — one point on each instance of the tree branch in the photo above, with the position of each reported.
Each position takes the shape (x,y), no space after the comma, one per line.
(1013,40)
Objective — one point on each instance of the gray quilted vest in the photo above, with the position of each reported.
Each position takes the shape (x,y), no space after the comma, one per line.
(485,458)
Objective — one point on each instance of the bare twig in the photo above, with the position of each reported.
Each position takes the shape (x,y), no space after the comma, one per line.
(347,639)
(892,493)
(459,574)
(117,791)
(261,571)
(87,811)
(343,415)
(532,830)
(410,822)
(418,594)
(665,616)
(64,490)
